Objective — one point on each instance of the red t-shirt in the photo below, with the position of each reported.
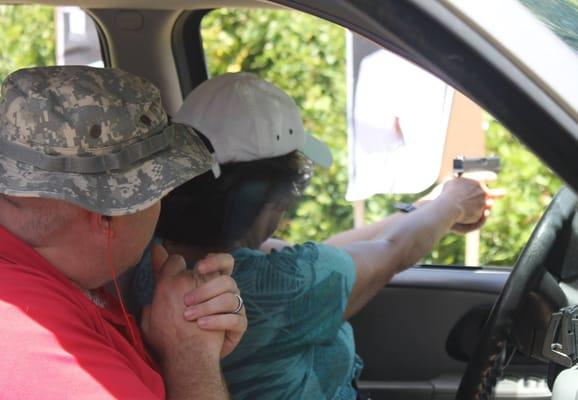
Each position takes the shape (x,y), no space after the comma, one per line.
(55,343)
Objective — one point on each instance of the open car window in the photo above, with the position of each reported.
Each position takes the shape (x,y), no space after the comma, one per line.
(308,58)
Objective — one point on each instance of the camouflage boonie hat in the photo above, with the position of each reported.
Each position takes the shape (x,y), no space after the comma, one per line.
(98,138)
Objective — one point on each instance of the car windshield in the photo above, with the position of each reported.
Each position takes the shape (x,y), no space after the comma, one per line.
(560,16)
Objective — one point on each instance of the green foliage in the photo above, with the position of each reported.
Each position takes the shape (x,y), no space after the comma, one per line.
(306,57)
(27,37)
(530,186)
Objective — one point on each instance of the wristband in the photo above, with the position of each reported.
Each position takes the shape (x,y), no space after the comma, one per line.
(405,207)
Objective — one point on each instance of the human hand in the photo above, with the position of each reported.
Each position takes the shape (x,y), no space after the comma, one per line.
(170,335)
(473,200)
(213,304)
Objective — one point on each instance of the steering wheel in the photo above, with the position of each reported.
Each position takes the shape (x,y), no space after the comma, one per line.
(488,359)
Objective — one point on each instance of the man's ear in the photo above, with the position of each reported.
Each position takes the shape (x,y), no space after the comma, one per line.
(102,224)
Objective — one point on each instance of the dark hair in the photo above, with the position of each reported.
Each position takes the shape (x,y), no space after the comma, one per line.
(216,213)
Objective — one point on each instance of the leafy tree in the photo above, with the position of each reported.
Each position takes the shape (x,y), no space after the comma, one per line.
(27,37)
(530,186)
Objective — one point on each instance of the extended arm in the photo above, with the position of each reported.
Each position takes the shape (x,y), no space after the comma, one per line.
(405,239)
(367,232)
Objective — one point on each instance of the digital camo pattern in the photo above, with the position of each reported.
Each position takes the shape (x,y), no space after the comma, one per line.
(79,111)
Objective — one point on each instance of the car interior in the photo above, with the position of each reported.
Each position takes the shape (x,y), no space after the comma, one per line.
(436,331)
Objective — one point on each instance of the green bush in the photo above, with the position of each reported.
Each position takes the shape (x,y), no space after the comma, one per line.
(27,37)
(530,186)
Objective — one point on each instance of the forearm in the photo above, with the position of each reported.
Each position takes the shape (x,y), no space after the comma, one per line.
(406,240)
(199,377)
(372,231)
(415,234)
(367,232)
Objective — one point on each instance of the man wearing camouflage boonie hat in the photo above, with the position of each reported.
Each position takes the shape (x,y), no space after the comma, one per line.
(85,156)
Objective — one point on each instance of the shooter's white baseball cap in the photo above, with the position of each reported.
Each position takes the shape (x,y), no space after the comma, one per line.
(247,119)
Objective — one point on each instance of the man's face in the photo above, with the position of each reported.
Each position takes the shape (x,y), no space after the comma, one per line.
(133,234)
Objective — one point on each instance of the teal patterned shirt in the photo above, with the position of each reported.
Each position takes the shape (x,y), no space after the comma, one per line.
(297,345)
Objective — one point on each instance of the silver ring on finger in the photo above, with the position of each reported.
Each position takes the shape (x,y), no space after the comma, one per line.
(239,304)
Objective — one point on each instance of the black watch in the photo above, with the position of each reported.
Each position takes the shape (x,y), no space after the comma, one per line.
(405,207)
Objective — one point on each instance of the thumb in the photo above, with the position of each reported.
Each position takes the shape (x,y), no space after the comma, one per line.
(158,258)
